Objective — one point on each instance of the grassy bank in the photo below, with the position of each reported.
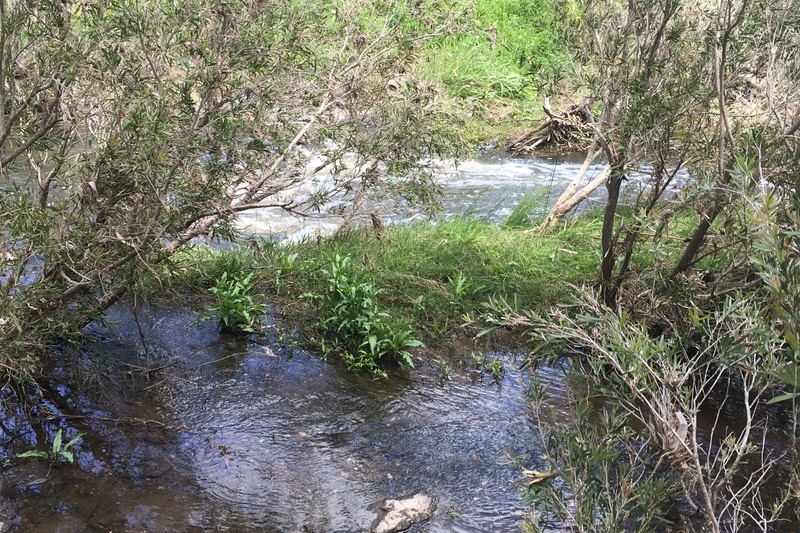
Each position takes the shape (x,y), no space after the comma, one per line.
(497,69)
(380,290)
(429,275)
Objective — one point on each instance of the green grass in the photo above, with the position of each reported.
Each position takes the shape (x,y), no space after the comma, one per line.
(512,52)
(425,279)
(530,211)
(430,275)
(469,68)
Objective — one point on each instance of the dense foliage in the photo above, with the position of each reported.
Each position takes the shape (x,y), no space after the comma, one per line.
(127,129)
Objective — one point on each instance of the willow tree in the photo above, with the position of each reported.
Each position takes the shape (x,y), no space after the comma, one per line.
(679,85)
(129,128)
(711,87)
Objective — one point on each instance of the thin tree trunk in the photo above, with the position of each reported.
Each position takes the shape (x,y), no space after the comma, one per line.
(571,197)
(723,136)
(559,210)
(591,155)
(607,290)
(696,242)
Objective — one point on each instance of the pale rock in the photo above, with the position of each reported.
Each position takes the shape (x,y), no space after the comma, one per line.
(399,515)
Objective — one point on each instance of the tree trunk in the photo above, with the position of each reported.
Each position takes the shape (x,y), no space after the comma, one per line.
(696,242)
(566,204)
(608,291)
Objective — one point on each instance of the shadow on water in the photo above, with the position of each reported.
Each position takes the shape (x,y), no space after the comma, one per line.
(243,436)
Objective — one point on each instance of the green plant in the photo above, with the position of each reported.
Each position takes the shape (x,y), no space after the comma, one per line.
(529,209)
(497,369)
(488,365)
(776,261)
(596,475)
(432,274)
(193,110)
(444,366)
(285,265)
(59,451)
(477,359)
(511,48)
(663,383)
(459,286)
(356,327)
(236,309)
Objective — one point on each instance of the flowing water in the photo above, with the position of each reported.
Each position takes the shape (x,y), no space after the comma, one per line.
(257,435)
(236,435)
(490,186)
(260,436)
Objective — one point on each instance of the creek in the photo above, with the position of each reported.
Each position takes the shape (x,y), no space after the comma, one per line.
(489,186)
(234,434)
(255,435)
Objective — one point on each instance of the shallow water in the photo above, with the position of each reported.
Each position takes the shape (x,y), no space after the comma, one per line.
(255,435)
(263,437)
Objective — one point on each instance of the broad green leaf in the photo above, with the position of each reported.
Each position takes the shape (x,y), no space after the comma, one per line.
(34,453)
(57,442)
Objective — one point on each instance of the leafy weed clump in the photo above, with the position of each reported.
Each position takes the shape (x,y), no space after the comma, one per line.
(58,452)
(354,325)
(236,308)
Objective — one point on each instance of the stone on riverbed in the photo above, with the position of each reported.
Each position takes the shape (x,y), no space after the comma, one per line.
(399,515)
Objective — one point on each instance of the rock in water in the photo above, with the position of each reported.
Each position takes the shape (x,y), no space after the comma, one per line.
(399,515)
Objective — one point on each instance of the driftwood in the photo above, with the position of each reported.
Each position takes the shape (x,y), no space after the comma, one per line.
(571,196)
(567,131)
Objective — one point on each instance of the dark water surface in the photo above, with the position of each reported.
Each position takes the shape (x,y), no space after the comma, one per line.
(253,436)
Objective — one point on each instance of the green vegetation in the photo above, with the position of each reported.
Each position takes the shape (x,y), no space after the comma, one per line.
(504,57)
(367,300)
(353,324)
(597,477)
(428,275)
(528,211)
(236,308)
(58,452)
(128,129)
(433,274)
(512,54)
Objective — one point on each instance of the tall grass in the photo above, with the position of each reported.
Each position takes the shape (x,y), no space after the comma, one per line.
(530,210)
(513,51)
(430,275)
(433,274)
(469,68)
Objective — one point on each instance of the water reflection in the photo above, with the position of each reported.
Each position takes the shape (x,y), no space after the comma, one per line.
(259,437)
(289,442)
